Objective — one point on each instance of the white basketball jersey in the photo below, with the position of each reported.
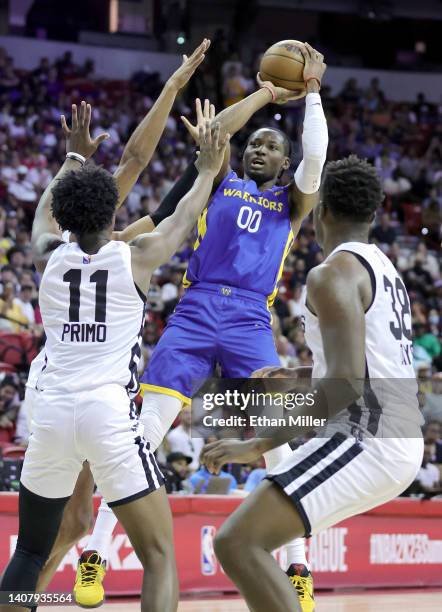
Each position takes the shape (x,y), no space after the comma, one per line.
(93,317)
(388,336)
(39,361)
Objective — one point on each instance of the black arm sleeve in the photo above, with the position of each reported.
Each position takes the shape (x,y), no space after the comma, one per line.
(179,190)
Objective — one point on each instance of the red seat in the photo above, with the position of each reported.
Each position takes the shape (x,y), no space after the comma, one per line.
(6,436)
(17,350)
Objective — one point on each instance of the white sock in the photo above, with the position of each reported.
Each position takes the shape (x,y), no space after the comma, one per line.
(101,537)
(157,415)
(294,551)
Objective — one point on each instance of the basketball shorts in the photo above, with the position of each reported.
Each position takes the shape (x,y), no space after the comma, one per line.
(211,324)
(31,396)
(331,479)
(99,426)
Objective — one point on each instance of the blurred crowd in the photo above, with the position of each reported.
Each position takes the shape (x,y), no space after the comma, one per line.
(403,141)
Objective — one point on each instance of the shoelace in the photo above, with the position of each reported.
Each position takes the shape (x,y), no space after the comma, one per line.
(88,574)
(299,585)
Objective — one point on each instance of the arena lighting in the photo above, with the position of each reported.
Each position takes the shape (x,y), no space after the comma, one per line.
(181,39)
(277,117)
(424,231)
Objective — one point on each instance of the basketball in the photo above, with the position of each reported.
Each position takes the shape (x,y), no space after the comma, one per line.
(283,65)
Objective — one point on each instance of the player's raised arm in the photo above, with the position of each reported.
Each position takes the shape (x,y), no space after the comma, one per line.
(144,140)
(46,234)
(154,249)
(235,117)
(147,224)
(304,189)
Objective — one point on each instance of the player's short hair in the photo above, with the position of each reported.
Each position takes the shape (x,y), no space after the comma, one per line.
(352,189)
(288,147)
(84,201)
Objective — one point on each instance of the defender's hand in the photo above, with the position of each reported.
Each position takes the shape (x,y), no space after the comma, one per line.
(202,115)
(216,454)
(182,76)
(212,149)
(280,94)
(314,67)
(78,139)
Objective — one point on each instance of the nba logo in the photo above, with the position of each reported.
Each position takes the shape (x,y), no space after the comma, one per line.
(86,259)
(209,564)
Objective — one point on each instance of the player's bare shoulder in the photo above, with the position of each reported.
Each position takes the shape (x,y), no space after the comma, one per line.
(342,272)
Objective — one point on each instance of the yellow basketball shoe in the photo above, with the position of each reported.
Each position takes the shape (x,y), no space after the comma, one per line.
(88,588)
(302,580)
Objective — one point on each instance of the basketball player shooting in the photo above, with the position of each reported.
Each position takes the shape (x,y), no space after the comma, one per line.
(358,326)
(92,299)
(232,280)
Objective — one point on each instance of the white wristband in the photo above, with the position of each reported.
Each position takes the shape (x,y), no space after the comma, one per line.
(314,146)
(77,157)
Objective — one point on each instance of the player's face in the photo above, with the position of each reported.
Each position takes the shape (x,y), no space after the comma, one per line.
(265,156)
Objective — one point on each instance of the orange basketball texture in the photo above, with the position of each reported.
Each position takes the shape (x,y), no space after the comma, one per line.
(283,65)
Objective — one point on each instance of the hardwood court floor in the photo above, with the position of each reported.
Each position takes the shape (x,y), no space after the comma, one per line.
(416,600)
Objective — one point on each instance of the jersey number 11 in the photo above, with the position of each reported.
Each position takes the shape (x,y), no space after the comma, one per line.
(73,277)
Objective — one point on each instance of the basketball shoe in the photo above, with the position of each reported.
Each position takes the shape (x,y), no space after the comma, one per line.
(88,588)
(302,580)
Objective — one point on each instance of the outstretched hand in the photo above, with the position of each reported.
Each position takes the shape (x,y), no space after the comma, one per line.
(216,454)
(203,114)
(212,148)
(78,138)
(314,66)
(182,76)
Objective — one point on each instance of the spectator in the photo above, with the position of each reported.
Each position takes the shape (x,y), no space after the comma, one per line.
(296,303)
(180,440)
(384,233)
(201,478)
(12,317)
(428,477)
(176,471)
(426,340)
(22,189)
(9,405)
(254,478)
(432,438)
(24,301)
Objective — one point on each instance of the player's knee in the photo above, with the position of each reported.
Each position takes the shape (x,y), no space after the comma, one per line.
(156,554)
(227,545)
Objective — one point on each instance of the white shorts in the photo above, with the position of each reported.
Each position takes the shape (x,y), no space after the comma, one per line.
(31,396)
(99,426)
(331,479)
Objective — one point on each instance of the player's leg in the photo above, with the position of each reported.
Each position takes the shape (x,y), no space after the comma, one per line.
(91,570)
(249,328)
(76,522)
(148,524)
(128,477)
(158,413)
(50,470)
(263,522)
(39,521)
(297,566)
